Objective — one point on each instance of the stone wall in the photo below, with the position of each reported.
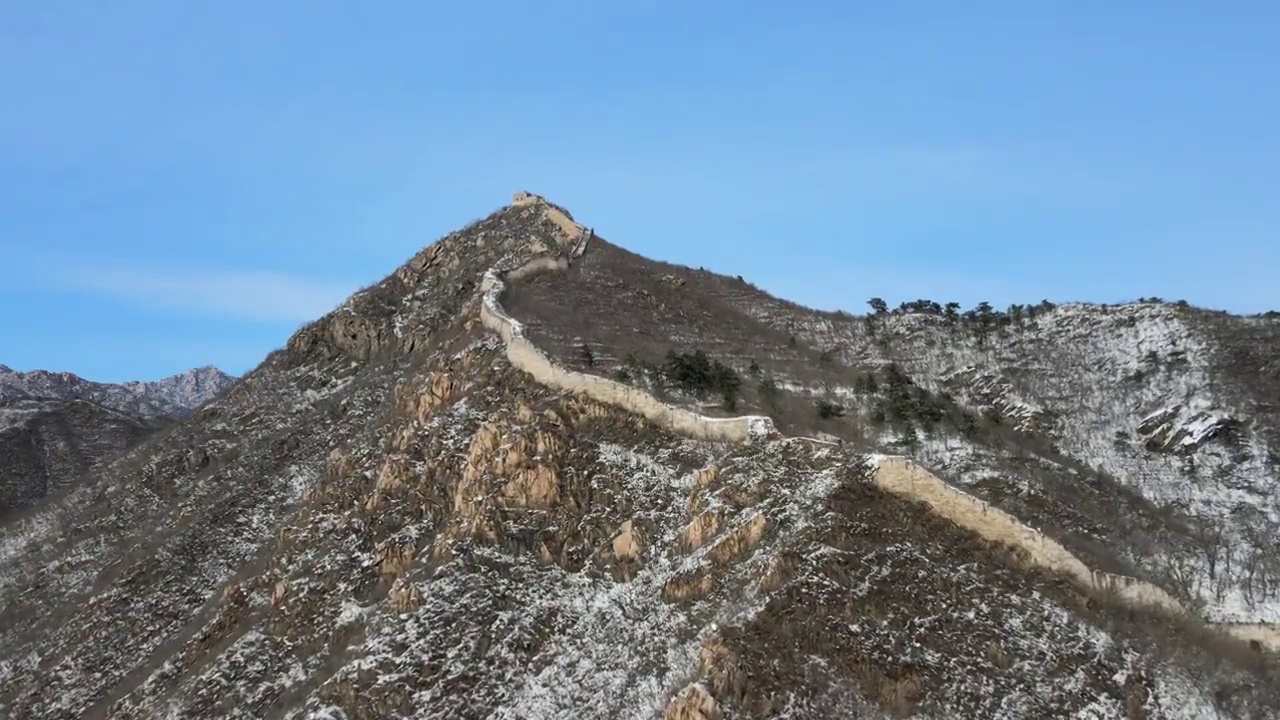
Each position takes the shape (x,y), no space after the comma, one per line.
(1266,635)
(902,476)
(524,355)
(898,475)
(555,214)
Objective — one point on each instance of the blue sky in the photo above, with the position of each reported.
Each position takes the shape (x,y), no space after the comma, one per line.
(184,185)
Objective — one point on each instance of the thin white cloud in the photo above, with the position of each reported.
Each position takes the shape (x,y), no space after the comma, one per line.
(253,295)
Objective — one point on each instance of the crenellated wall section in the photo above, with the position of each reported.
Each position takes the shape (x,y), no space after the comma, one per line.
(898,475)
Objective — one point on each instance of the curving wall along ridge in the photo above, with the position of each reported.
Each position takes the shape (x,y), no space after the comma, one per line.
(902,476)
(898,475)
(1267,635)
(526,356)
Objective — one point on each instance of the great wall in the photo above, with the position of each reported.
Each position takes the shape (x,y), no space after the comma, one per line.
(895,474)
(526,356)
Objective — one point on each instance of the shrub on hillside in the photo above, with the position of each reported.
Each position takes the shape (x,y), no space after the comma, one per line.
(828,409)
(770,393)
(696,374)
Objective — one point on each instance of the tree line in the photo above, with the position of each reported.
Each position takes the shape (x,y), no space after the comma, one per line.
(982,313)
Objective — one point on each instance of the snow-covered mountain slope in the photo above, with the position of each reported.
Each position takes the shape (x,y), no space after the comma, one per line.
(387,518)
(46,447)
(1143,435)
(55,428)
(173,397)
(1139,393)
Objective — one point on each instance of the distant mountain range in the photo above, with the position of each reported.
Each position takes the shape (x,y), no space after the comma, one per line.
(173,397)
(55,427)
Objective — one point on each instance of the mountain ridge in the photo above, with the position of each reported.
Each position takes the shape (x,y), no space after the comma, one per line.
(956,505)
(889,380)
(388,518)
(173,396)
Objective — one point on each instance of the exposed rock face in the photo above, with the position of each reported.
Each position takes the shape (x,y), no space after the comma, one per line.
(390,518)
(55,428)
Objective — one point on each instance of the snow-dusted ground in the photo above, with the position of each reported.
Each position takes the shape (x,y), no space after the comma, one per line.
(1136,392)
(319,543)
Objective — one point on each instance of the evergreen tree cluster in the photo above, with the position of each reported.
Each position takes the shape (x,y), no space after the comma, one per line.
(981,314)
(698,375)
(693,373)
(898,403)
(981,320)
(902,404)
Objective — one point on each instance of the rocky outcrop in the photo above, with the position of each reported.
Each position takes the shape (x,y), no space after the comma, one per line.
(693,703)
(344,332)
(1180,431)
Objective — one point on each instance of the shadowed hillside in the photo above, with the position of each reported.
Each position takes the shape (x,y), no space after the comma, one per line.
(56,428)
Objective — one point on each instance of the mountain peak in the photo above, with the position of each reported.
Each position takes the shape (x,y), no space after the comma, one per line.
(56,427)
(400,313)
(169,397)
(532,474)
